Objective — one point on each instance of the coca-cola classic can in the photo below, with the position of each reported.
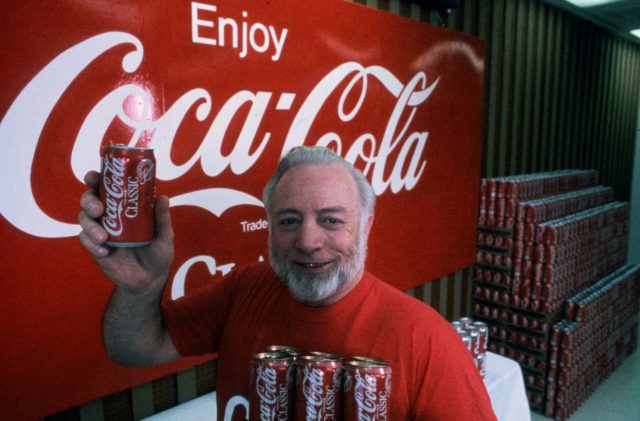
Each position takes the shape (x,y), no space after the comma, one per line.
(127,190)
(318,388)
(272,386)
(367,390)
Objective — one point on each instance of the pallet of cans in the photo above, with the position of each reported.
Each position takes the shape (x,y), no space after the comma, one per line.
(526,293)
(475,335)
(570,253)
(599,331)
(288,384)
(541,239)
(554,260)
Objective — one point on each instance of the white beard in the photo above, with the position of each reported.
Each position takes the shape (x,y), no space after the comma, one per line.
(314,287)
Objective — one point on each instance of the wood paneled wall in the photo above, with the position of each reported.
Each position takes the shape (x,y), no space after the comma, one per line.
(559,93)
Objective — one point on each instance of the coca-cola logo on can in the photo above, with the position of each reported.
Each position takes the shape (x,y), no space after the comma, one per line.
(145,170)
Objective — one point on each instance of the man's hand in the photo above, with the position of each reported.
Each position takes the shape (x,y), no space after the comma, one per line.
(132,326)
(133,269)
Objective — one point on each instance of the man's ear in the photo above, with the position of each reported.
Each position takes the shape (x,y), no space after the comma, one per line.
(369,224)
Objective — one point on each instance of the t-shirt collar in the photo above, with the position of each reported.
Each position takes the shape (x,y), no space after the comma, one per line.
(353,299)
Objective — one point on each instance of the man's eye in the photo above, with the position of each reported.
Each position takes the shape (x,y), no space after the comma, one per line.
(331,221)
(288,221)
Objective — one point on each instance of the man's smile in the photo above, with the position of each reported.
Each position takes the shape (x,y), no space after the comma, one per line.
(312,265)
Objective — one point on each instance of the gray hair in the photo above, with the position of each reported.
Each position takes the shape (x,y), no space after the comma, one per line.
(318,155)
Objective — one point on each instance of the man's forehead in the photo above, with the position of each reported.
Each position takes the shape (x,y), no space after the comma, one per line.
(332,183)
(319,174)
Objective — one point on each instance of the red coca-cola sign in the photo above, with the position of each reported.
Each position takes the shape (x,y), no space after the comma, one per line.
(220,90)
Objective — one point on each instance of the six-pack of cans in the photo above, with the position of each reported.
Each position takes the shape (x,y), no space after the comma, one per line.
(475,335)
(287,384)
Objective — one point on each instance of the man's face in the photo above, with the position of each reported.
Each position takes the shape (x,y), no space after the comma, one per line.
(315,242)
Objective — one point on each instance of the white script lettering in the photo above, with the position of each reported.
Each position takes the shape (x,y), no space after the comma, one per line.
(217,153)
(256,36)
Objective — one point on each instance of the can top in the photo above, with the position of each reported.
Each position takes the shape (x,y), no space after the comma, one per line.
(366,362)
(294,352)
(480,325)
(120,146)
(326,355)
(370,360)
(473,331)
(319,359)
(271,356)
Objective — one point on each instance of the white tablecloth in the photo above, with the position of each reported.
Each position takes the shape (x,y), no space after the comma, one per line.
(506,389)
(202,408)
(503,380)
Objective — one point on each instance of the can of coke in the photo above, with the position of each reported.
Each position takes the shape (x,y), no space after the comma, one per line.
(367,390)
(318,388)
(272,386)
(127,191)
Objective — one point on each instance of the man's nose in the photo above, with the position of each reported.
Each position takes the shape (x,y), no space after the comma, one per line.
(310,237)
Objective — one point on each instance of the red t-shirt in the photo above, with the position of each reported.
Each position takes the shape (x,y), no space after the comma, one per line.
(433,374)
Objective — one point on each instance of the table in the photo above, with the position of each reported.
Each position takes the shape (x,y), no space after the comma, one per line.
(201,408)
(503,380)
(505,385)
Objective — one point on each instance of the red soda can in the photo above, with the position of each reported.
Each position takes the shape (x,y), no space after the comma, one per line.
(272,386)
(475,341)
(481,363)
(483,330)
(127,190)
(318,388)
(367,390)
(466,339)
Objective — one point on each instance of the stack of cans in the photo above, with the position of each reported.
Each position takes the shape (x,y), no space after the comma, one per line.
(572,252)
(542,238)
(598,333)
(290,385)
(499,196)
(475,335)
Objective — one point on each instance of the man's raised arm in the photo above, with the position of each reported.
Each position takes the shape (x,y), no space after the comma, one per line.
(132,323)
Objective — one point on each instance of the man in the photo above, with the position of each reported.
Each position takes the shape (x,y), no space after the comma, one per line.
(316,296)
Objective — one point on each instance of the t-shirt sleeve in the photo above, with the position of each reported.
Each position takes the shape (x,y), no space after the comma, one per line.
(196,321)
(450,387)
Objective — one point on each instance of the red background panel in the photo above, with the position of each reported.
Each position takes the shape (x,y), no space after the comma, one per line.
(77,75)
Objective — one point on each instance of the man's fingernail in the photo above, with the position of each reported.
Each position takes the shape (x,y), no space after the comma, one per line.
(99,235)
(101,250)
(94,208)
